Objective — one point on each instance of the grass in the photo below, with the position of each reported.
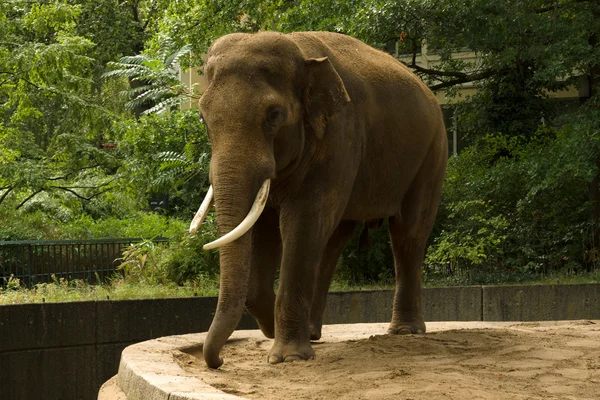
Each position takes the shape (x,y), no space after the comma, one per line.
(341,286)
(118,289)
(124,289)
(554,278)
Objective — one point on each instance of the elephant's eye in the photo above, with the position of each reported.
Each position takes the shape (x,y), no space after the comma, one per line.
(275,116)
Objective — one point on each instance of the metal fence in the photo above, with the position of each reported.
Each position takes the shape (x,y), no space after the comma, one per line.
(37,261)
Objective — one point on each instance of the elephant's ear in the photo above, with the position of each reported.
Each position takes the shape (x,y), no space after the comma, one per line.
(325,94)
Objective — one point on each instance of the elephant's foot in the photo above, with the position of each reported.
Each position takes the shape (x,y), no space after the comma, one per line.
(315,331)
(407,328)
(290,352)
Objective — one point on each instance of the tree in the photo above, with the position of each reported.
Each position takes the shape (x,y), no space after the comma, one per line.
(50,130)
(118,28)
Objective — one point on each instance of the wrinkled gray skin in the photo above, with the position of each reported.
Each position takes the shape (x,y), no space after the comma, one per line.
(347,134)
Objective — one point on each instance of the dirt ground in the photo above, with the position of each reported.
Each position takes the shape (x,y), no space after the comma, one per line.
(550,360)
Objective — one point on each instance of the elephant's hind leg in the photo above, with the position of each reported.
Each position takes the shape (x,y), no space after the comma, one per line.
(328,262)
(266,257)
(409,232)
(407,314)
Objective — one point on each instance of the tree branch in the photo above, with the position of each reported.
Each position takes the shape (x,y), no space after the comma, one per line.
(35,86)
(466,79)
(135,12)
(71,190)
(414,52)
(435,72)
(149,18)
(5,194)
(11,77)
(461,77)
(78,195)
(58,178)
(29,198)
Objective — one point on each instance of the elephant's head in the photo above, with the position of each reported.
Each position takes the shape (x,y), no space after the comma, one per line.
(263,98)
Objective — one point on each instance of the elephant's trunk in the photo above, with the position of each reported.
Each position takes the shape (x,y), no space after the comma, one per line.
(233,200)
(234,259)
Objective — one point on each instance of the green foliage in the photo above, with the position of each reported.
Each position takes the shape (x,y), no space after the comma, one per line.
(74,163)
(49,125)
(186,260)
(118,28)
(12,284)
(158,88)
(137,225)
(477,236)
(522,208)
(201,22)
(181,260)
(48,224)
(138,261)
(166,154)
(367,266)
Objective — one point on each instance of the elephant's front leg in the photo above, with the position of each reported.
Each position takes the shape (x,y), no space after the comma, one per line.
(264,260)
(304,241)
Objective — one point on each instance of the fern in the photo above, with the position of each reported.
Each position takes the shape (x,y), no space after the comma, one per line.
(161,89)
(175,169)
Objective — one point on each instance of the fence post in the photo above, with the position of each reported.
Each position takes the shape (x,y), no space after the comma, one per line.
(29,258)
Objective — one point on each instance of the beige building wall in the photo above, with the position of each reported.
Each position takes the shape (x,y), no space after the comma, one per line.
(192,79)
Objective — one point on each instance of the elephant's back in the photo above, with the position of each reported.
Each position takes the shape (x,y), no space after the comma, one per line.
(361,66)
(380,86)
(394,114)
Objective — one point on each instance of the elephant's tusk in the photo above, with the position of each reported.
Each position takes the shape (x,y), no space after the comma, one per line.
(248,222)
(202,211)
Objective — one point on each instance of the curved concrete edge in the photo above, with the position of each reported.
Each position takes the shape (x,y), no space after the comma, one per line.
(111,390)
(148,370)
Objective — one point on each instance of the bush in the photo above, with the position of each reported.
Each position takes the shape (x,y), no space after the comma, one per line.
(476,237)
(520,207)
(181,260)
(31,226)
(146,225)
(187,261)
(366,266)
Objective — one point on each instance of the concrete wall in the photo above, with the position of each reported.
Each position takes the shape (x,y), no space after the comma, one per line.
(440,304)
(541,303)
(66,351)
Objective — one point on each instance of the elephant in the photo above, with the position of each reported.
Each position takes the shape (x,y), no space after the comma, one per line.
(311,134)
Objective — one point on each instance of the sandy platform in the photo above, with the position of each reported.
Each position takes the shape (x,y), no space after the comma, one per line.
(556,360)
(454,360)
